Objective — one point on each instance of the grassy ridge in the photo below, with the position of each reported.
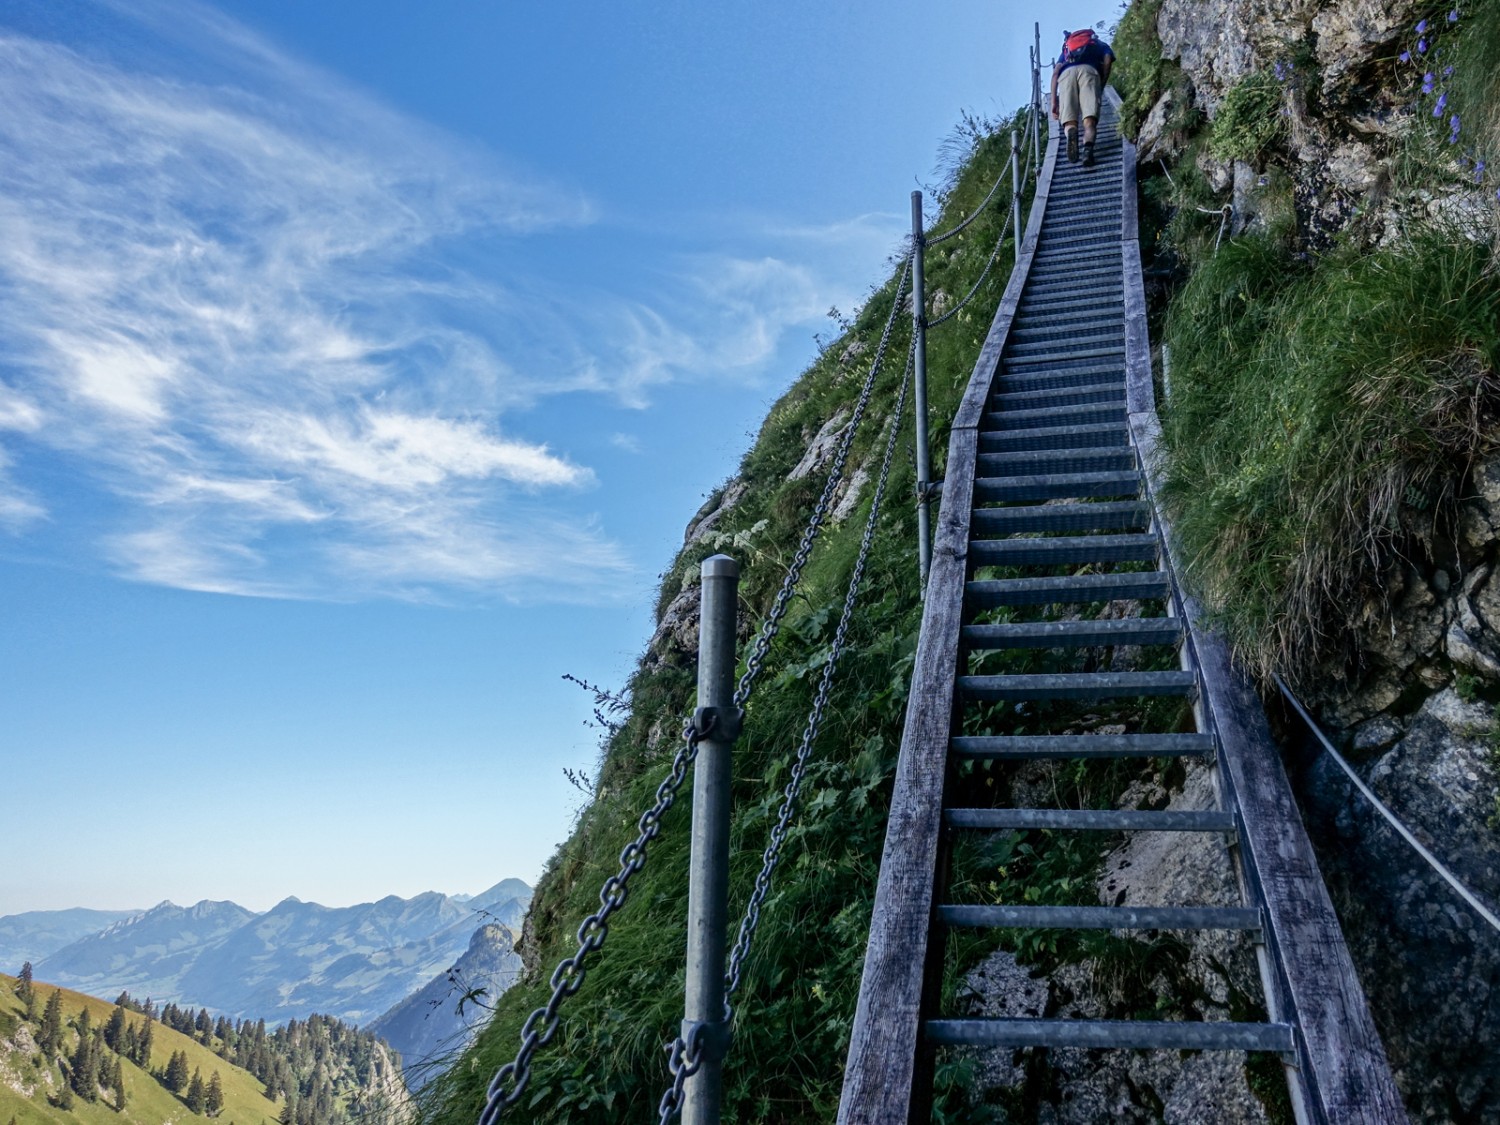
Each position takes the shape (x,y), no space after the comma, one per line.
(147,1102)
(797,1003)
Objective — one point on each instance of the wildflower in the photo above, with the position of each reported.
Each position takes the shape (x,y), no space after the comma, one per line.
(1421,27)
(1405,56)
(1454,127)
(1427,80)
(1447,72)
(1437,110)
(1479,172)
(1421,46)
(1453,16)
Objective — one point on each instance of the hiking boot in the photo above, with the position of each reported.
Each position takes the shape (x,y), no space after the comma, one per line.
(1072,148)
(1088,154)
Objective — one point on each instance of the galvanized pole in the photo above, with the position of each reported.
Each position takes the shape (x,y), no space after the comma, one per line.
(1015,191)
(708,877)
(919,377)
(1042,110)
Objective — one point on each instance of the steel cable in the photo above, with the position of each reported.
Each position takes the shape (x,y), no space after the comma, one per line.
(989,265)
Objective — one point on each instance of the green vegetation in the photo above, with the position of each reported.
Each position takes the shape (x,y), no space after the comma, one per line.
(797,1002)
(1315,407)
(89,1061)
(1249,118)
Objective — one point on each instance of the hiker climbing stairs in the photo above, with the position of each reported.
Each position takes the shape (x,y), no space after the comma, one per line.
(1054,632)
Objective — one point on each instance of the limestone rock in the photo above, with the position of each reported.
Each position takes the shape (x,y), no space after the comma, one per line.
(821,449)
(714,508)
(1156,140)
(1218,173)
(677,631)
(849,494)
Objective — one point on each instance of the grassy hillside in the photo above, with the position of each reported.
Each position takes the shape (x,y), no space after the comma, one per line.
(25,1083)
(801,981)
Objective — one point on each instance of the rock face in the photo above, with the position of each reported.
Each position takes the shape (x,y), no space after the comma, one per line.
(1214,969)
(1429,964)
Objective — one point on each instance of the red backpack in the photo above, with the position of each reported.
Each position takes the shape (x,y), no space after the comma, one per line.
(1074,44)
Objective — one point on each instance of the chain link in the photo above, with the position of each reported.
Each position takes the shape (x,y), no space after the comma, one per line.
(934,240)
(685,1056)
(772,624)
(678,1049)
(510,1080)
(772,856)
(989,265)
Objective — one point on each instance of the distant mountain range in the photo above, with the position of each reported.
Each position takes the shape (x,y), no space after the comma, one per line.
(353,962)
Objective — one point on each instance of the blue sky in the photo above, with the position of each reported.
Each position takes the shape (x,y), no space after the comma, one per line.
(360,365)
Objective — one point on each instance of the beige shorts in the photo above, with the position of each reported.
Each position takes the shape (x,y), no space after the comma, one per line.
(1077,93)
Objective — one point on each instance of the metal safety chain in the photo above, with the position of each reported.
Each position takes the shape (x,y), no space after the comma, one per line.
(510,1080)
(989,265)
(933,240)
(772,856)
(772,623)
(683,1057)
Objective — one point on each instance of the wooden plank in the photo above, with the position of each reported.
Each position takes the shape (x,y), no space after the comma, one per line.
(1140,391)
(1129,214)
(880,1067)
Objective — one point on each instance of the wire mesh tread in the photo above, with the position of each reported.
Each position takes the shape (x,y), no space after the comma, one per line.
(1112,390)
(1094,820)
(1059,486)
(1109,515)
(1139,1034)
(1086,436)
(1053,417)
(996,463)
(1009,383)
(1074,634)
(1063,550)
(1050,747)
(1076,685)
(1102,917)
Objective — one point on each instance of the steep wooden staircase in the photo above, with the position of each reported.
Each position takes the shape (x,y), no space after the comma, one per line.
(1048,540)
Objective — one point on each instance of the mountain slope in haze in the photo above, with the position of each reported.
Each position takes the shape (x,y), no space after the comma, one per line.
(35,934)
(442,1017)
(297,958)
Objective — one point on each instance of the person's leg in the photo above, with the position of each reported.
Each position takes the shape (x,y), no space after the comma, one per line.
(1088,105)
(1068,109)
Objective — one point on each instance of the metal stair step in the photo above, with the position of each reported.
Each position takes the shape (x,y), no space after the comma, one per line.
(1096,331)
(1032,307)
(1079,414)
(1085,205)
(1063,550)
(1067,589)
(1096,268)
(1102,917)
(1044,293)
(1074,634)
(1061,355)
(1082,320)
(1059,486)
(1065,249)
(1037,462)
(1062,747)
(1085,395)
(1056,437)
(1126,515)
(1138,1034)
(1044,380)
(1093,820)
(1076,685)
(1066,343)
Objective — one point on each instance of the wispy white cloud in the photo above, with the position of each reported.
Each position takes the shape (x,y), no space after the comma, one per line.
(230,297)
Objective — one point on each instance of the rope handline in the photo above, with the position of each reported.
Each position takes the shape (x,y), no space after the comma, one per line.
(1436,864)
(567,978)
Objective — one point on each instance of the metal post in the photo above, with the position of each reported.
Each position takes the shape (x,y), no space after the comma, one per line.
(708,877)
(1015,191)
(1042,110)
(919,378)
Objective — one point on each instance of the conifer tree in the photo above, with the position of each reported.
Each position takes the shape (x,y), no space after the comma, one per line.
(197,1095)
(142,1054)
(114,1030)
(65,1097)
(119,1086)
(24,988)
(49,1038)
(289,1114)
(85,1061)
(176,1075)
(215,1097)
